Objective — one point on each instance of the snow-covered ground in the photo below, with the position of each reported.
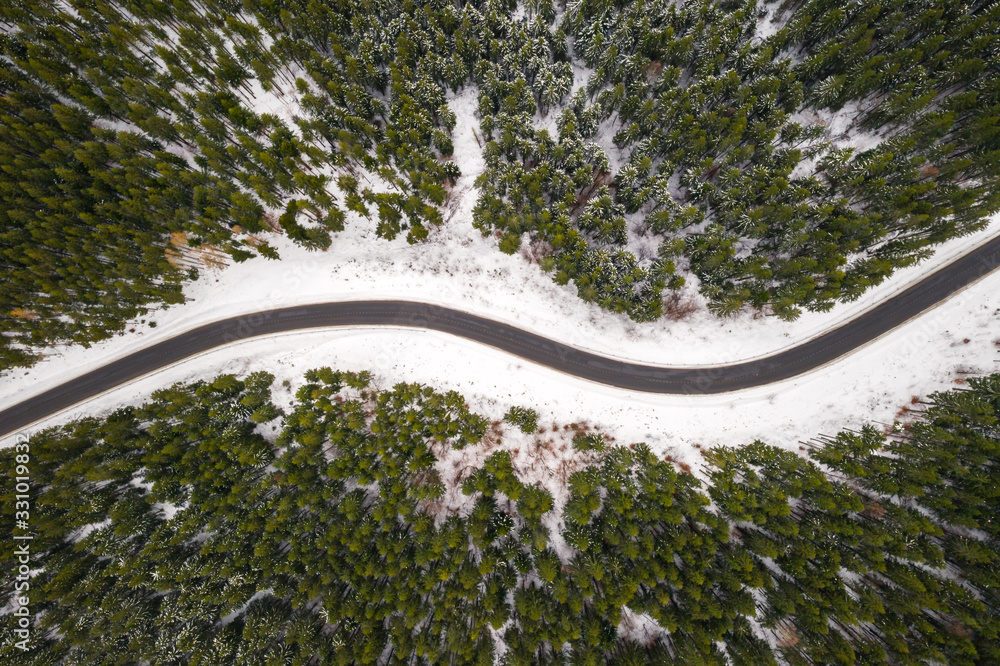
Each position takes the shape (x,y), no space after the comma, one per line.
(458,268)
(925,355)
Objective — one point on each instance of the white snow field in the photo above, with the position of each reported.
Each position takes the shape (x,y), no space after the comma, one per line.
(460,269)
(927,354)
(457,267)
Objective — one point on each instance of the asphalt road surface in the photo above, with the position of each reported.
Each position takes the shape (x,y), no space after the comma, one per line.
(653,379)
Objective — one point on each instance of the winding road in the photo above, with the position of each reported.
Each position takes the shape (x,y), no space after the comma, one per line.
(811,354)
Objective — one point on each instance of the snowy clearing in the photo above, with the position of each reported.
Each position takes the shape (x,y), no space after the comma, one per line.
(929,353)
(457,267)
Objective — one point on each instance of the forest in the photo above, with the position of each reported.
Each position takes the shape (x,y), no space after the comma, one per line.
(784,155)
(209,526)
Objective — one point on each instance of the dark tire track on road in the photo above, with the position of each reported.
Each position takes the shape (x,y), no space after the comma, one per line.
(797,360)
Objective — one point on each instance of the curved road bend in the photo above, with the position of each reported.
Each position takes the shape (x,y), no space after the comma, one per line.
(676,380)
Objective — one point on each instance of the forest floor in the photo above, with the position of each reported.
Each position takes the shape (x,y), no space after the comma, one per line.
(458,268)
